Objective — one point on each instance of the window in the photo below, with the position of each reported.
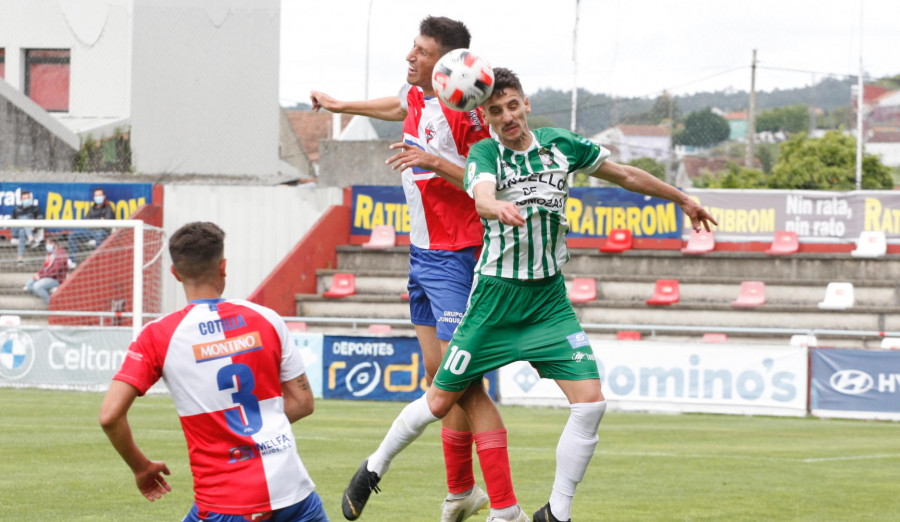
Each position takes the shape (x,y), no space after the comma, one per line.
(2,63)
(47,78)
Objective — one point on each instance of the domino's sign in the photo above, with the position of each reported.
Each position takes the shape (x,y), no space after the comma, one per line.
(855,384)
(681,377)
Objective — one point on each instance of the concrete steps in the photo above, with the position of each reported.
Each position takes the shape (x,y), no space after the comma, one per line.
(708,284)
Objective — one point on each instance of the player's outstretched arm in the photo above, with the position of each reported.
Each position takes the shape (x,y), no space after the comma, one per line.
(412,156)
(641,181)
(388,108)
(489,207)
(298,398)
(148,474)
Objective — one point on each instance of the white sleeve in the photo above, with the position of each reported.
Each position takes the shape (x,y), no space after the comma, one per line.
(404,92)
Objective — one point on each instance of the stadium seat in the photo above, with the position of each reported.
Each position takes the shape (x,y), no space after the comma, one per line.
(383,236)
(807,340)
(583,289)
(751,293)
(379,329)
(296,326)
(890,343)
(342,285)
(838,296)
(666,292)
(628,335)
(404,296)
(784,243)
(715,338)
(10,320)
(699,243)
(871,243)
(619,240)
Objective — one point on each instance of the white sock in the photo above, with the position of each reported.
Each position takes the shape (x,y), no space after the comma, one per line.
(573,454)
(407,427)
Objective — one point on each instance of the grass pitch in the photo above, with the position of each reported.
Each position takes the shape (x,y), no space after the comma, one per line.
(56,464)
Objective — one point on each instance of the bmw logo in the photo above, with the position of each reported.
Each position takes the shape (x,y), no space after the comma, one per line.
(16,354)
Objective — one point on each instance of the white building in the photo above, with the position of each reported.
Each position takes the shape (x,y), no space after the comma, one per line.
(195,82)
(629,142)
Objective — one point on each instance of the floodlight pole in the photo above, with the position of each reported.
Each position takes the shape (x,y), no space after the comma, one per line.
(860,97)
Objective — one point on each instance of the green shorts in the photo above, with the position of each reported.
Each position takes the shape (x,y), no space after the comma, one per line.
(510,320)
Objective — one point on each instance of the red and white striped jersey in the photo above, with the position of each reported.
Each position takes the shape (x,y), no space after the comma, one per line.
(442,217)
(223,362)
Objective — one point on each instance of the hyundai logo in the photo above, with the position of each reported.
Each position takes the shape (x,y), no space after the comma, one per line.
(852,382)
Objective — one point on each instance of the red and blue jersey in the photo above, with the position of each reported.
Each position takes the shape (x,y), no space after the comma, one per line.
(224,361)
(442,217)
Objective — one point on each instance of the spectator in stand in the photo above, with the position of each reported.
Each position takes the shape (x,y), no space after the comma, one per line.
(26,209)
(101,209)
(52,274)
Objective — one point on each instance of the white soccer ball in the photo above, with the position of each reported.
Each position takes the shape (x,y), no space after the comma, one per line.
(462,80)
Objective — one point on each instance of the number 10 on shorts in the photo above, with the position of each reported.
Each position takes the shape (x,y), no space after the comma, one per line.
(457,360)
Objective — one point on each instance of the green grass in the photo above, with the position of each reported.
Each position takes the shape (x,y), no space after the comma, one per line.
(56,464)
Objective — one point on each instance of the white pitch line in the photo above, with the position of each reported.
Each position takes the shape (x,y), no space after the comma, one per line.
(855,457)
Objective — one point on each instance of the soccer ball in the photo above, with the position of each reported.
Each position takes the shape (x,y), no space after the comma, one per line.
(462,80)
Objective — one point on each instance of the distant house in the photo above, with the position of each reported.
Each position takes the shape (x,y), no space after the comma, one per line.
(311,128)
(882,124)
(629,142)
(737,123)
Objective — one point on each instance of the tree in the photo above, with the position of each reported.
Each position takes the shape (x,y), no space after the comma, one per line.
(735,177)
(702,129)
(827,163)
(658,113)
(650,165)
(791,119)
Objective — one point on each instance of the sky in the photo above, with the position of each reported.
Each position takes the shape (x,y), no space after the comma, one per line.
(629,48)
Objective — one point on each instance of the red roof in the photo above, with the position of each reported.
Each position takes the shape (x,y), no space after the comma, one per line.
(313,127)
(644,130)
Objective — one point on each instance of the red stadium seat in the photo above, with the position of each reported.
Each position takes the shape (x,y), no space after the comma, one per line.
(628,335)
(296,326)
(342,285)
(784,243)
(665,293)
(715,338)
(383,236)
(619,240)
(583,289)
(699,243)
(752,293)
(380,329)
(404,296)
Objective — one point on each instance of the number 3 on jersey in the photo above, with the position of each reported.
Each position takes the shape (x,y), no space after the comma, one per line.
(457,360)
(244,419)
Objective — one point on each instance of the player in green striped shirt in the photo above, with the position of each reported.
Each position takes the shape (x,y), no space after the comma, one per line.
(519,309)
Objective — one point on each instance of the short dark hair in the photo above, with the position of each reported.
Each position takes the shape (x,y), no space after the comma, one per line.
(24,192)
(449,34)
(100,189)
(196,249)
(506,79)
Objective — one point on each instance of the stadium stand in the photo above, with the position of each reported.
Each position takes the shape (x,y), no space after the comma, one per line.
(871,243)
(619,240)
(583,289)
(383,236)
(838,296)
(665,292)
(342,285)
(700,242)
(784,243)
(750,294)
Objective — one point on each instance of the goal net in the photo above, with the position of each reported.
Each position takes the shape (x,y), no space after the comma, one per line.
(114,272)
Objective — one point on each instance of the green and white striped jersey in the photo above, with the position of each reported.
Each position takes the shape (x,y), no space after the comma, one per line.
(536,180)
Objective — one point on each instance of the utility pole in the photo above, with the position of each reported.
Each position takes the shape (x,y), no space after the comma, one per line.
(575,69)
(670,160)
(860,91)
(751,114)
